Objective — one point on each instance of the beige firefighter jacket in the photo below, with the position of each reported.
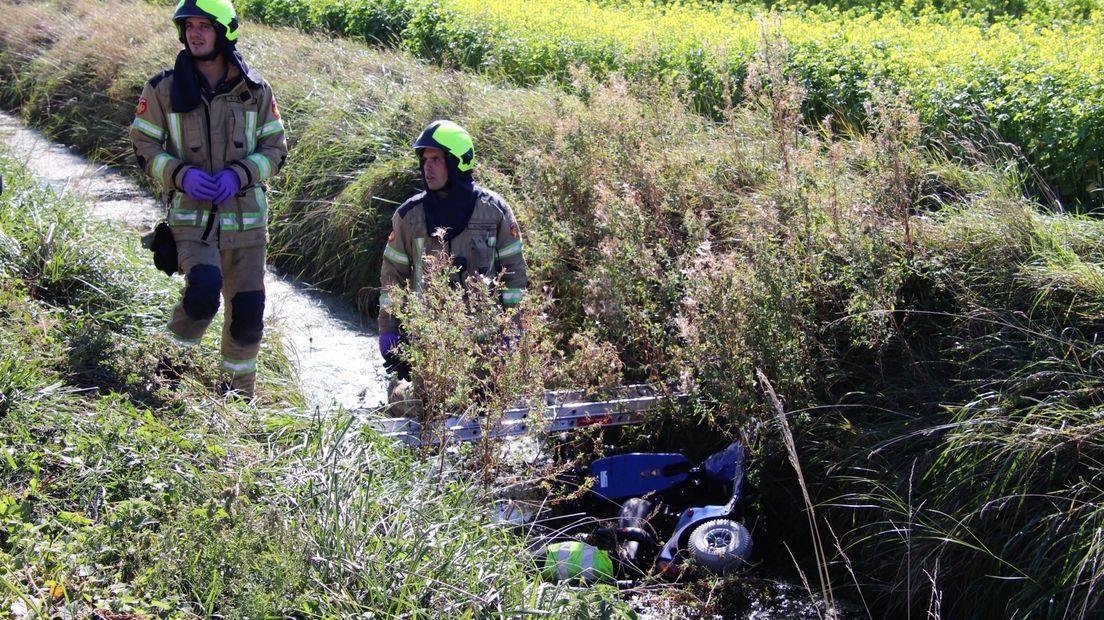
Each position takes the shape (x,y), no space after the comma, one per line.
(239,129)
(490,245)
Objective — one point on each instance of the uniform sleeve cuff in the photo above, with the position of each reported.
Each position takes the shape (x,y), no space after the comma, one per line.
(245,177)
(178,175)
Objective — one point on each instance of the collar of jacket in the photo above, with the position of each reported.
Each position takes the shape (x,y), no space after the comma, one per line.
(186,91)
(453,210)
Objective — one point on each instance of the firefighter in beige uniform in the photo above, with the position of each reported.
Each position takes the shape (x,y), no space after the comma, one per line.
(210,133)
(480,231)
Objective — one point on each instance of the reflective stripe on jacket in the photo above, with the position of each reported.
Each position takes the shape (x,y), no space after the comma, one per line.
(489,246)
(576,560)
(239,129)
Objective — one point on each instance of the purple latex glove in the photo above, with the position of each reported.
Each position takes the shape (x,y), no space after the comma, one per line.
(198,185)
(228,185)
(387,342)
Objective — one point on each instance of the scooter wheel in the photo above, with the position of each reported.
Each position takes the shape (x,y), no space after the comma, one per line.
(720,545)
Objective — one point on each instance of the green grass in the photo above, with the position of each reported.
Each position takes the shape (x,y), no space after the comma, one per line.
(105,459)
(919,318)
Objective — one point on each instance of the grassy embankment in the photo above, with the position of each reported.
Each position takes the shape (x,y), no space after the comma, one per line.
(126,488)
(1029,71)
(926,327)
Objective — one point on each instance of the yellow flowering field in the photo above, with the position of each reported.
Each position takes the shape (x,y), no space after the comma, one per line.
(1038,80)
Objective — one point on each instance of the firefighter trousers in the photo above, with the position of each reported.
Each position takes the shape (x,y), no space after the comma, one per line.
(236,277)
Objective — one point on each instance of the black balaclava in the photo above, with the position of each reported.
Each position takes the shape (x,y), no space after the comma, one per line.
(455,208)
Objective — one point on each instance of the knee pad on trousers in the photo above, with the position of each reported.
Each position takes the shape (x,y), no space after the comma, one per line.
(247,322)
(201,296)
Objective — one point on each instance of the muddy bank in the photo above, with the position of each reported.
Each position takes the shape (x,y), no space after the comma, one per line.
(334,346)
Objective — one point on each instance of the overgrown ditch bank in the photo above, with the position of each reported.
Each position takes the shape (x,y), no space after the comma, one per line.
(79,188)
(128,490)
(924,325)
(114,198)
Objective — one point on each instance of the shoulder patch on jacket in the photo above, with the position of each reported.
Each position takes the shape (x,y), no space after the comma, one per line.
(155,80)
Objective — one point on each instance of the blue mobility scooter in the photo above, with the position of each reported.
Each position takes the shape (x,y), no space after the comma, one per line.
(660,493)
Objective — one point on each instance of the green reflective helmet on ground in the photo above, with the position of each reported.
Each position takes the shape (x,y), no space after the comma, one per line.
(452,139)
(220,12)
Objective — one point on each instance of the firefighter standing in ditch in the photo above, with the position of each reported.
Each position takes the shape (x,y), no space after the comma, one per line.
(479,230)
(209,132)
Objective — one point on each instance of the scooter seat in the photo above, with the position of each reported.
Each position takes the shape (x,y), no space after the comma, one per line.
(633,475)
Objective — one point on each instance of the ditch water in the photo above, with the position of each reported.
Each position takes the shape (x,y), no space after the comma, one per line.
(335,348)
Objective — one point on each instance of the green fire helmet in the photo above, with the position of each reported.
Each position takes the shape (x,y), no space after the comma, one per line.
(220,12)
(452,139)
